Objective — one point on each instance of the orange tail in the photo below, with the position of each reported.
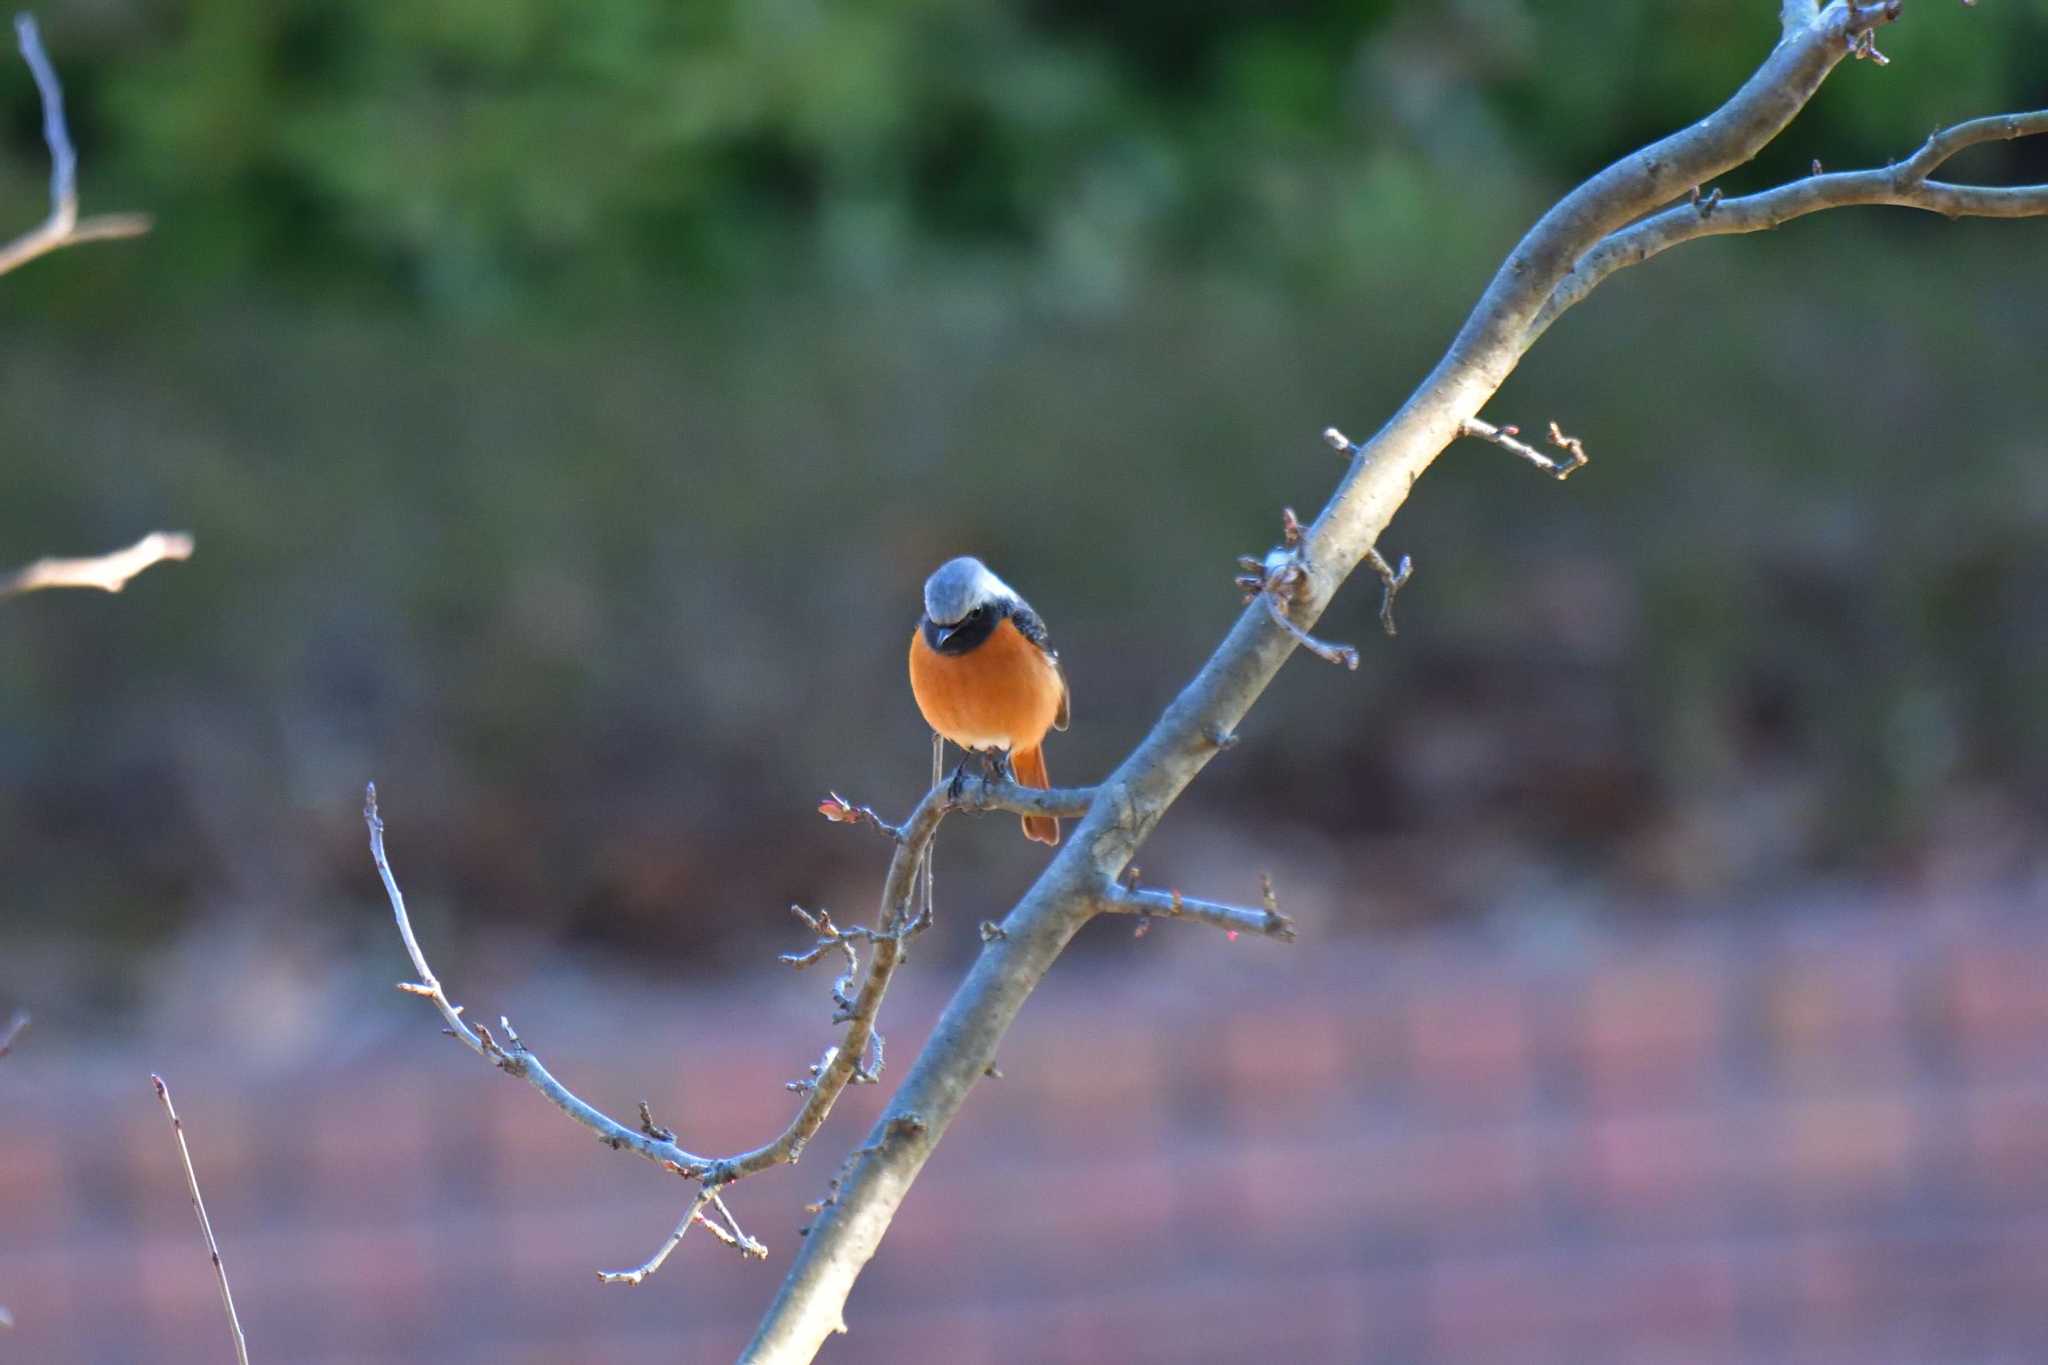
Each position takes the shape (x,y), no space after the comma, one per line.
(1030,769)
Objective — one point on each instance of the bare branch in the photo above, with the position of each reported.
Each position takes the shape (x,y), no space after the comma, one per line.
(108,572)
(693,1214)
(520,1061)
(1375,482)
(895,920)
(1392,580)
(63,227)
(845,1063)
(1322,649)
(16,1026)
(840,811)
(1946,142)
(1270,923)
(1508,439)
(220,1272)
(731,1234)
(1281,579)
(1904,185)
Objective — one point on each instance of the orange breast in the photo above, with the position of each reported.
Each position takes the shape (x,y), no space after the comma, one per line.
(1002,694)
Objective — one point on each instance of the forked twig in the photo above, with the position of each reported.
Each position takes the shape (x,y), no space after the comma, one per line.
(1508,439)
(63,227)
(639,1273)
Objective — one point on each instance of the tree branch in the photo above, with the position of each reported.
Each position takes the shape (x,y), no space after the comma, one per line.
(693,1214)
(107,572)
(1509,439)
(63,227)
(1136,796)
(220,1272)
(1151,904)
(844,1063)
(1904,185)
(16,1026)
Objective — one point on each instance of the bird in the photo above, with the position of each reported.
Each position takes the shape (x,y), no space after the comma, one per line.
(985,676)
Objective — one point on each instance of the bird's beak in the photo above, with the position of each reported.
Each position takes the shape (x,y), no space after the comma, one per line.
(948,632)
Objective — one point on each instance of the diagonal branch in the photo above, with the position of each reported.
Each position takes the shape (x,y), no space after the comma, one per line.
(10,1035)
(843,1064)
(63,227)
(693,1214)
(519,1061)
(107,572)
(850,1224)
(220,1273)
(1904,185)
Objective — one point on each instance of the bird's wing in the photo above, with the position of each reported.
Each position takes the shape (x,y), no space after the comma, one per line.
(1033,629)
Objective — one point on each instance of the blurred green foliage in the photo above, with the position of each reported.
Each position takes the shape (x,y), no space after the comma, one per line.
(471,156)
(568,400)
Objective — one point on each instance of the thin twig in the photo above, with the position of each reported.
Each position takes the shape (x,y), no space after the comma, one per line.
(1282,579)
(731,1234)
(16,1026)
(843,1064)
(63,227)
(1373,486)
(1169,904)
(1392,580)
(220,1272)
(107,572)
(1508,439)
(639,1273)
(1904,185)
(521,1061)
(840,811)
(1322,649)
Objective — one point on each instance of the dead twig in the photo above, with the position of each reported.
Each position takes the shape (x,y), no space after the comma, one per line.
(16,1026)
(1628,202)
(1149,904)
(1508,439)
(1392,580)
(63,227)
(638,1274)
(220,1272)
(856,1059)
(1281,579)
(107,572)
(840,811)
(1905,184)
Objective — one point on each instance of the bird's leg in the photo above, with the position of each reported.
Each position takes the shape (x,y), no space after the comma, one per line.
(999,764)
(959,782)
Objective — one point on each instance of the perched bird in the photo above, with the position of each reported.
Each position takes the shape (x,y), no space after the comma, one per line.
(985,676)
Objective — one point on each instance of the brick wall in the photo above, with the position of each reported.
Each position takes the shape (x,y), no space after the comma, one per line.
(1815,1140)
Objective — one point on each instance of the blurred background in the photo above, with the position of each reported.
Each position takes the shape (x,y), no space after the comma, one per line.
(568,402)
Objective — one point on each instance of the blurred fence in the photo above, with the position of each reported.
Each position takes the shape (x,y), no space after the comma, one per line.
(1820,1138)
